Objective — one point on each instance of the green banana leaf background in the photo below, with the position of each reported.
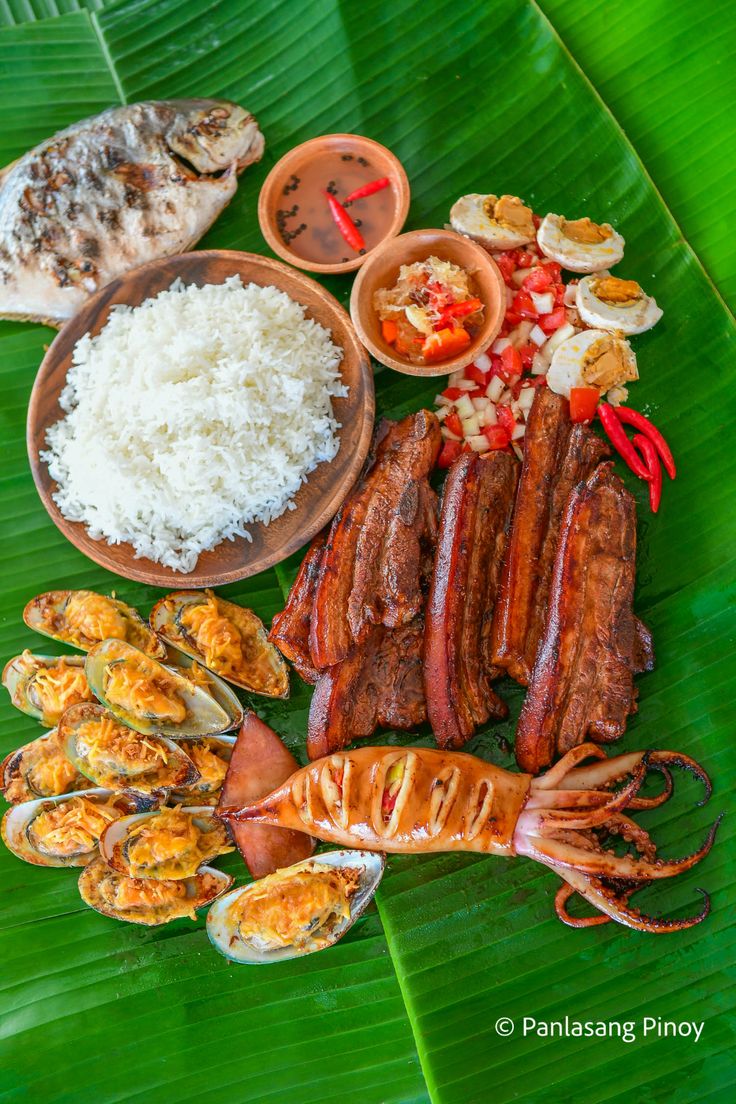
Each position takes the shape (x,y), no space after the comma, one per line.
(472,97)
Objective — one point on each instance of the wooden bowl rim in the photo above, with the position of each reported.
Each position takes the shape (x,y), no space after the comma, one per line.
(91,317)
(454,364)
(276,242)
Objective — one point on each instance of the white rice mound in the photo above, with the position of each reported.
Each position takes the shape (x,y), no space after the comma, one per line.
(192,416)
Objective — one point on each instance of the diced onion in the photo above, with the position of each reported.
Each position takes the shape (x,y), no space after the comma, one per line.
(540,364)
(442,400)
(466,385)
(465,407)
(571,292)
(517,450)
(449,435)
(489,415)
(483,362)
(499,345)
(471,426)
(520,276)
(544,302)
(557,338)
(520,334)
(481,403)
(478,442)
(526,398)
(456,377)
(442,413)
(538,336)
(495,388)
(518,432)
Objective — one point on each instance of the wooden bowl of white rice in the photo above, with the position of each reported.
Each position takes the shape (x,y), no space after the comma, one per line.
(200,419)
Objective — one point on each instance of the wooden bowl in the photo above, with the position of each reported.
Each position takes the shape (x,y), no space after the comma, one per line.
(317,500)
(382,270)
(272,198)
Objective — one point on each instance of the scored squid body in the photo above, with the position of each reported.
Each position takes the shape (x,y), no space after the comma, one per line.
(18,827)
(115,660)
(223,925)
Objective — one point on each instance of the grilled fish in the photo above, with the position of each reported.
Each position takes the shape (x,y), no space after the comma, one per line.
(112,192)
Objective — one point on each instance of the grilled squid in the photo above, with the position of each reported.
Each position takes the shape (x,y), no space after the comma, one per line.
(415,800)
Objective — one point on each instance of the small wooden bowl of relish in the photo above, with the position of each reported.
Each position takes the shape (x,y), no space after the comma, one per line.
(307,194)
(442,282)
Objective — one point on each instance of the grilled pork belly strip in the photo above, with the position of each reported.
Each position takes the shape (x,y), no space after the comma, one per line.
(370,573)
(458,671)
(290,628)
(379,683)
(260,762)
(582,685)
(557,456)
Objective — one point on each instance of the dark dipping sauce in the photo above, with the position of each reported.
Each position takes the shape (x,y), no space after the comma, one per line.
(304,220)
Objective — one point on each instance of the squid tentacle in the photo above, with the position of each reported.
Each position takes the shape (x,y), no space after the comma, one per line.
(553,818)
(614,904)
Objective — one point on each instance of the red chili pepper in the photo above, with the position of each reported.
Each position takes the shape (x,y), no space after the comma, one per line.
(623,446)
(634,418)
(345,224)
(651,458)
(368,189)
(457,310)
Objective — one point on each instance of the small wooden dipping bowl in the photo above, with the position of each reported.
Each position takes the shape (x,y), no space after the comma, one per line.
(326,151)
(382,270)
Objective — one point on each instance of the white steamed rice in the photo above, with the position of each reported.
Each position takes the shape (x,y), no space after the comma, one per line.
(192,416)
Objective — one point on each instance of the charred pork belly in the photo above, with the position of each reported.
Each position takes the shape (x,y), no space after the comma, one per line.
(582,686)
(370,573)
(379,683)
(557,456)
(290,628)
(458,669)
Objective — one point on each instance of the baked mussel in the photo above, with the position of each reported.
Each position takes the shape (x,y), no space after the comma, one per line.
(215,687)
(146,900)
(83,618)
(64,830)
(39,769)
(166,843)
(228,639)
(44,686)
(298,910)
(150,697)
(211,756)
(117,757)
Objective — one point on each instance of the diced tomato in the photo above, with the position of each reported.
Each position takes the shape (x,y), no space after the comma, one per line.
(526,260)
(477,375)
(450,451)
(497,436)
(513,318)
(453,423)
(506,418)
(476,393)
(551,322)
(507,267)
(390,331)
(510,364)
(452,393)
(554,269)
(523,305)
(560,290)
(445,343)
(583,403)
(539,279)
(536,219)
(526,352)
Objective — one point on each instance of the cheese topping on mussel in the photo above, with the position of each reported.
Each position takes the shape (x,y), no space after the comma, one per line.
(228,639)
(145,900)
(211,758)
(592,358)
(71,827)
(497,223)
(580,245)
(39,769)
(153,698)
(608,303)
(82,618)
(169,843)
(45,686)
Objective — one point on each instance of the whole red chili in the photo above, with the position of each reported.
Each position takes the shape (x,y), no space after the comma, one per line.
(651,458)
(623,446)
(368,189)
(634,418)
(345,224)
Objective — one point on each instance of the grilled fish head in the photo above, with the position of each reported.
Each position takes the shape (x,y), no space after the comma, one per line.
(212,135)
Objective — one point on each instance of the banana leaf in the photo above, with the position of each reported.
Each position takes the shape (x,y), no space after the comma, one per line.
(472,97)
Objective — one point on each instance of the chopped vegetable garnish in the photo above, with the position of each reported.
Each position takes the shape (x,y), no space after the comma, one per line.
(583,403)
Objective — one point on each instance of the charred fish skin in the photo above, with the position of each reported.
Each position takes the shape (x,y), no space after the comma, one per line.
(113,192)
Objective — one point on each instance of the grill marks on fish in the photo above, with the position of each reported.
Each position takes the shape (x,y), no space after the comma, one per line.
(112,192)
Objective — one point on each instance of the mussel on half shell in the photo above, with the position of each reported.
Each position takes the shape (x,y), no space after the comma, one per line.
(298,910)
(83,618)
(211,756)
(44,686)
(146,900)
(118,758)
(150,697)
(39,769)
(228,639)
(165,843)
